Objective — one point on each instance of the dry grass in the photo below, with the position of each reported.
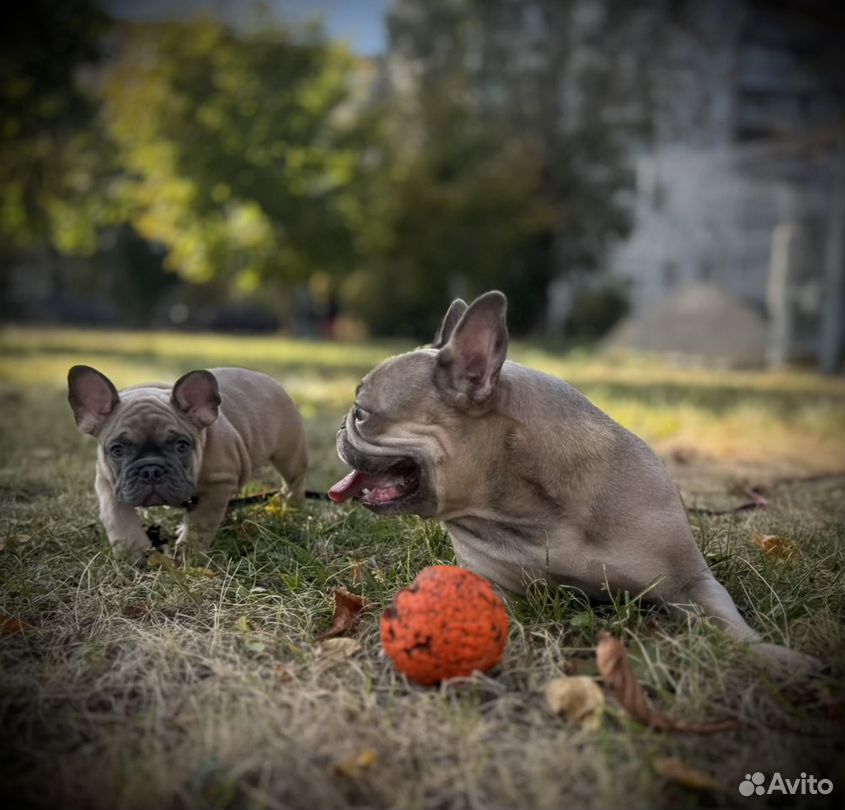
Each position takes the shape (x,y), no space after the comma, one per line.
(175,689)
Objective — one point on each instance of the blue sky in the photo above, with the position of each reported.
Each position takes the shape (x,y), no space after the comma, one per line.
(360,23)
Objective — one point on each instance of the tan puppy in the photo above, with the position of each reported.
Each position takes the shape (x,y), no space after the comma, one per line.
(529,478)
(194,444)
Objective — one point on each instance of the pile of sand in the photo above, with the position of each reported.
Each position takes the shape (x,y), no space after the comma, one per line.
(702,323)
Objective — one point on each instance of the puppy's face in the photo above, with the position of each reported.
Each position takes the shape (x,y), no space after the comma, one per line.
(151,442)
(152,459)
(415,435)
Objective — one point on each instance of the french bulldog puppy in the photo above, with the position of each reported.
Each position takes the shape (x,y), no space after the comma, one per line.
(531,480)
(193,444)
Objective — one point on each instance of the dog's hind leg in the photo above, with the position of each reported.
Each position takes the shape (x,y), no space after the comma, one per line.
(716,603)
(292,466)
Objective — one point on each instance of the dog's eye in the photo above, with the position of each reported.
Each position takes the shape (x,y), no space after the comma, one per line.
(182,445)
(358,413)
(116,450)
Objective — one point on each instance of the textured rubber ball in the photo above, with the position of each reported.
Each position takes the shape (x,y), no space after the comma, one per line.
(448,623)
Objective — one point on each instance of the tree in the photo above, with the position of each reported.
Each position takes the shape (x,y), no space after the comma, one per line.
(242,148)
(56,173)
(509,169)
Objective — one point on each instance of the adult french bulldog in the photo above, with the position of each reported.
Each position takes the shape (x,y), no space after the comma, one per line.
(530,479)
(192,444)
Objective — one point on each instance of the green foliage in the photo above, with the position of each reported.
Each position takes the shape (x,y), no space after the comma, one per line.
(486,181)
(462,208)
(56,184)
(242,148)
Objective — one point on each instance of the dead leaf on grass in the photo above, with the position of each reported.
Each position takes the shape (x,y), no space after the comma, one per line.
(579,699)
(9,625)
(776,547)
(283,673)
(618,675)
(347,611)
(158,560)
(334,651)
(676,770)
(244,624)
(354,767)
(201,572)
(356,573)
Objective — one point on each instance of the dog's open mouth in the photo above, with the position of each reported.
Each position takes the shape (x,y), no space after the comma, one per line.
(378,489)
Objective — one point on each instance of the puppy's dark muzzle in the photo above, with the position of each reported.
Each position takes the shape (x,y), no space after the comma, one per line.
(154,482)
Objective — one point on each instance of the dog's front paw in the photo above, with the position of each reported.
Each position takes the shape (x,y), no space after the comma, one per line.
(134,553)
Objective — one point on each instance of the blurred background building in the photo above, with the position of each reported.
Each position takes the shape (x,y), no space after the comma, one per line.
(661,175)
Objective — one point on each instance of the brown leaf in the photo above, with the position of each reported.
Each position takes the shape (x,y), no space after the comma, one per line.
(356,573)
(9,625)
(577,698)
(778,548)
(354,767)
(676,770)
(618,675)
(347,610)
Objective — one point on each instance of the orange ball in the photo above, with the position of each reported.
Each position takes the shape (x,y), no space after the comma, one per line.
(447,624)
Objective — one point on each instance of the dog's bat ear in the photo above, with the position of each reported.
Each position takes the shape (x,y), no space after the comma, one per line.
(197,396)
(450,320)
(470,362)
(92,396)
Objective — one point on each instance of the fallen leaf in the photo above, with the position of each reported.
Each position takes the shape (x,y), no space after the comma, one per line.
(9,625)
(158,560)
(676,770)
(244,624)
(201,572)
(578,699)
(274,508)
(283,673)
(333,651)
(618,676)
(778,548)
(354,767)
(347,610)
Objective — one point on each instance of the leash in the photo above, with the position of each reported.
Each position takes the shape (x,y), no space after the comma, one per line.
(154,531)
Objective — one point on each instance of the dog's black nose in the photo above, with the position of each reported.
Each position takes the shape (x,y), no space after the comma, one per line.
(151,472)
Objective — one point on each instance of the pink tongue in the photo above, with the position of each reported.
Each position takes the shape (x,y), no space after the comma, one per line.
(348,487)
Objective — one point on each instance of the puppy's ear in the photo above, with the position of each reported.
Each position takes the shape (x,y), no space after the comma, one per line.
(92,396)
(469,364)
(450,320)
(197,396)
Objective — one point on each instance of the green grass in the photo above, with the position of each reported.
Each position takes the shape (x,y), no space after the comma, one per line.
(174,689)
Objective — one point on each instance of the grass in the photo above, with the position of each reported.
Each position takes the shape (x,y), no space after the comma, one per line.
(204,687)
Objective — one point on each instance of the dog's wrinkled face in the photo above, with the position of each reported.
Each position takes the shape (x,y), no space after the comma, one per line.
(412,435)
(150,438)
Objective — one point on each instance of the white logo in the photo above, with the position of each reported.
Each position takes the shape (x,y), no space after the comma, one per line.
(755,783)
